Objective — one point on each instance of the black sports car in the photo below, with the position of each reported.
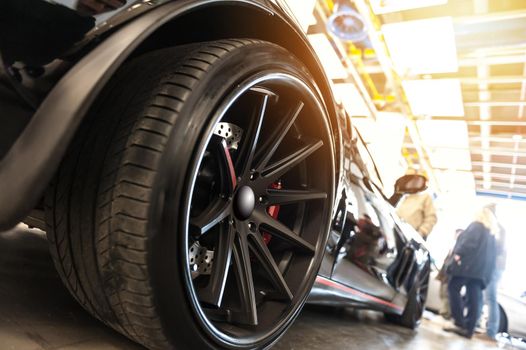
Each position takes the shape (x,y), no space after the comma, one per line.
(189,166)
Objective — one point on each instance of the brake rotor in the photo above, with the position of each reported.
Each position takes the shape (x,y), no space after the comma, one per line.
(200,260)
(230,132)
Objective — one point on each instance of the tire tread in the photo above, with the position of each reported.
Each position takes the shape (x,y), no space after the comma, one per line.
(97,206)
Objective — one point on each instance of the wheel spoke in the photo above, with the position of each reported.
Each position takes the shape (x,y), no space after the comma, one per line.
(265,91)
(210,217)
(278,197)
(245,281)
(228,172)
(262,253)
(213,293)
(276,170)
(271,144)
(278,229)
(248,147)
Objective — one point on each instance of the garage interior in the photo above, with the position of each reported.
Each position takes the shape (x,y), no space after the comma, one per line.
(438,86)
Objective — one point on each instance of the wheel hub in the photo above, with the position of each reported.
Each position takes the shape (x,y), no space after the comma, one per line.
(244,202)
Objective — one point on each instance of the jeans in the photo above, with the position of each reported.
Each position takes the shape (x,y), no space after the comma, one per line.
(490,296)
(471,302)
(445,309)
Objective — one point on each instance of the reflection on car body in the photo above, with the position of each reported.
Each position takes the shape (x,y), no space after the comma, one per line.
(372,259)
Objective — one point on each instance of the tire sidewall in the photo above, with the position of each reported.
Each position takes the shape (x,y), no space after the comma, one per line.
(167,217)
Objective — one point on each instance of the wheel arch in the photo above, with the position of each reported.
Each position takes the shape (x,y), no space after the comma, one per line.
(29,165)
(503,320)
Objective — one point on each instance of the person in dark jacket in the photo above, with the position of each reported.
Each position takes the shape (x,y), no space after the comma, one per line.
(474,259)
(442,276)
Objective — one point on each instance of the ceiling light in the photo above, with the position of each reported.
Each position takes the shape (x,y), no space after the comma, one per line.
(435,97)
(385,6)
(422,46)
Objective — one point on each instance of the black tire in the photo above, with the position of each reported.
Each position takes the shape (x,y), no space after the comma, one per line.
(503,321)
(119,209)
(416,300)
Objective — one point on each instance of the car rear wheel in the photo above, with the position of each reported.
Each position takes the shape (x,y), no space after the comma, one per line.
(193,208)
(503,321)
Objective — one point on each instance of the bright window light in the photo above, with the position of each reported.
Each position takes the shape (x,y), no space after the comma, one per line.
(386,147)
(386,6)
(303,11)
(352,101)
(446,142)
(328,57)
(456,204)
(455,182)
(366,128)
(444,158)
(422,46)
(444,133)
(384,138)
(435,97)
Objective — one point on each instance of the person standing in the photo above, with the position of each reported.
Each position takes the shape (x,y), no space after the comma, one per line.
(490,293)
(442,276)
(472,267)
(418,211)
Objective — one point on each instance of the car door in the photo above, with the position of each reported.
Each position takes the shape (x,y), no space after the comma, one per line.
(362,254)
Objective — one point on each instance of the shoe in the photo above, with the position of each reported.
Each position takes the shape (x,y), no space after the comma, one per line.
(486,338)
(479,330)
(446,316)
(450,326)
(463,333)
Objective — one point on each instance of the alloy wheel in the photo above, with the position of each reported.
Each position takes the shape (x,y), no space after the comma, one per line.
(259,208)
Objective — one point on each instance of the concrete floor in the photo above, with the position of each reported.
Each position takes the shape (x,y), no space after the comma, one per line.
(37,312)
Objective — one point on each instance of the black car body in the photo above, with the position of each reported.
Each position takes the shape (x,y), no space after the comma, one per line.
(63,60)
(374,270)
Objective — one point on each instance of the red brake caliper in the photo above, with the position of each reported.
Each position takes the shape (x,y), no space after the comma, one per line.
(272,211)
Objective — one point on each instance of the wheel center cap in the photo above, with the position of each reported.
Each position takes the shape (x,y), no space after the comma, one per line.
(244,202)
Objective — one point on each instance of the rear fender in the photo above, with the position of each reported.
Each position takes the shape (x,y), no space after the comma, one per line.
(28,167)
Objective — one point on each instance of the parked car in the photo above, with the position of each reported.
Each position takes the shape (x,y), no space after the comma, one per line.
(512,308)
(513,312)
(373,260)
(188,164)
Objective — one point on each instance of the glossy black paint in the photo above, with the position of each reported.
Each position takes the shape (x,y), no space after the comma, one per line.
(369,263)
(53,70)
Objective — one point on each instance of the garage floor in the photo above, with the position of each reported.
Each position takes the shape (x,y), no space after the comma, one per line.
(37,312)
